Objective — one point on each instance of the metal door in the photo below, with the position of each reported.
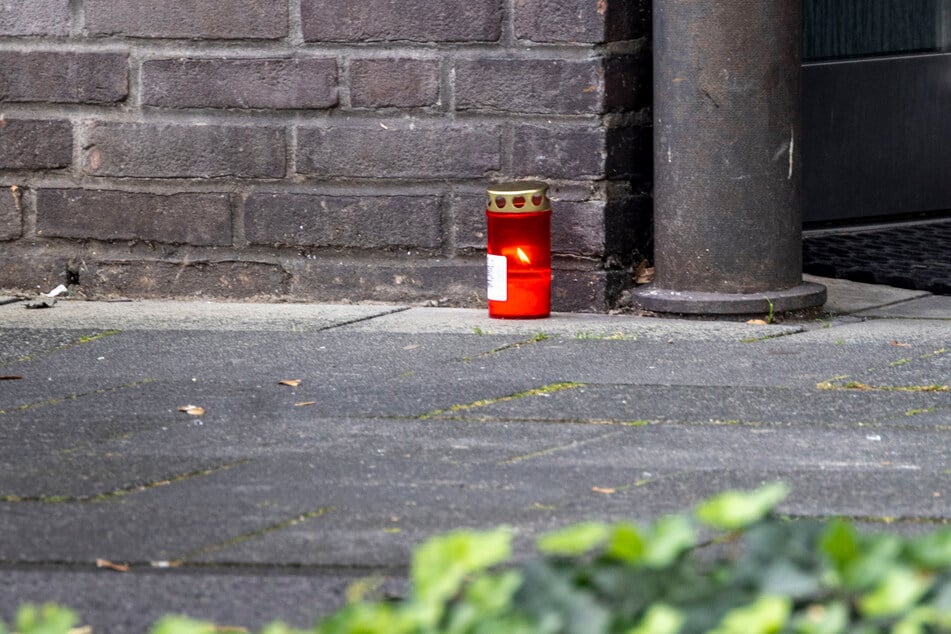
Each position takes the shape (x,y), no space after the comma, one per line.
(876,109)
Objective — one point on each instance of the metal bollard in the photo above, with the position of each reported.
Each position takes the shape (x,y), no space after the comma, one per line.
(727,138)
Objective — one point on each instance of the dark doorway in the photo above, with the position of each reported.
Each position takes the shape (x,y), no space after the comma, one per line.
(876,109)
(877,141)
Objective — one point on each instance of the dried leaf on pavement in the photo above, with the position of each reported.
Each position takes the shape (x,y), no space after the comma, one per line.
(758,322)
(290,382)
(192,410)
(899,344)
(305,403)
(603,490)
(105,563)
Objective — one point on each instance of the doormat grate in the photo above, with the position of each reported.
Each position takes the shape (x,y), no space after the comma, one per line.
(907,256)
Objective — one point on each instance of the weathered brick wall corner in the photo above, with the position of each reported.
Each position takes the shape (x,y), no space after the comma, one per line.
(316,149)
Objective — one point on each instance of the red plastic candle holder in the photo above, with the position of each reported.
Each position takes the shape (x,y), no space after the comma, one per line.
(519,251)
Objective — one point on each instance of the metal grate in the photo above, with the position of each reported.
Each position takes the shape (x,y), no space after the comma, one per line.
(907,256)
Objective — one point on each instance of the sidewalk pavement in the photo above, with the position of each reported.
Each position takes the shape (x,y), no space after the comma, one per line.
(411,421)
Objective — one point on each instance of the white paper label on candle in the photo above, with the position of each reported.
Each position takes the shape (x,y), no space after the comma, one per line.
(497,274)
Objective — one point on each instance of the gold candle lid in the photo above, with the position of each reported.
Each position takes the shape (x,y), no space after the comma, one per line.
(518,198)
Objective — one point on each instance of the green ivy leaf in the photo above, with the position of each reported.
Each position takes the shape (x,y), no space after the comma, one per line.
(840,543)
(574,540)
(626,543)
(823,619)
(766,615)
(670,537)
(733,510)
(932,550)
(901,589)
(372,618)
(181,625)
(878,557)
(485,599)
(47,619)
(659,619)
(441,564)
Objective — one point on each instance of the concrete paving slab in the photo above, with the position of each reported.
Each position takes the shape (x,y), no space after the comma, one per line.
(258,486)
(581,326)
(218,316)
(845,297)
(933,307)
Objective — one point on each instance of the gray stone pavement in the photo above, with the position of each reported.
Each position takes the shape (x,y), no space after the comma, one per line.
(410,421)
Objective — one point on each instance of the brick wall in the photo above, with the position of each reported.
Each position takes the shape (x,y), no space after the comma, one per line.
(316,149)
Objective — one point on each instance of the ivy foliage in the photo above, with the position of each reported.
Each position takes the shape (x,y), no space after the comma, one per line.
(730,566)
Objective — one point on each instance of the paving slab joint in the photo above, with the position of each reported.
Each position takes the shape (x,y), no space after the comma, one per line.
(240,539)
(545,389)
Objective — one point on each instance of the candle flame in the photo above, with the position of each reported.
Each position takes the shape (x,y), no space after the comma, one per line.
(522,256)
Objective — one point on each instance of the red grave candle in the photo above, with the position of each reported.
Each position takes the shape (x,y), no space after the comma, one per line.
(519,251)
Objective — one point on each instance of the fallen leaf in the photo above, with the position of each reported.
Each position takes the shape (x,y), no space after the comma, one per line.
(305,403)
(643,274)
(604,491)
(105,563)
(411,346)
(192,410)
(86,629)
(898,344)
(757,322)
(11,378)
(290,382)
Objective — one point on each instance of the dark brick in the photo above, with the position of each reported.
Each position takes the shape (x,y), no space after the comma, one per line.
(202,19)
(30,145)
(630,153)
(576,285)
(240,83)
(375,152)
(577,290)
(64,77)
(344,221)
(560,20)
(577,227)
(219,280)
(628,82)
(189,218)
(11,213)
(27,272)
(34,17)
(581,20)
(412,20)
(460,281)
(530,85)
(559,151)
(196,151)
(468,220)
(401,83)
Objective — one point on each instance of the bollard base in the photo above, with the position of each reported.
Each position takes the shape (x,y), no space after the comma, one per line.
(805,295)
